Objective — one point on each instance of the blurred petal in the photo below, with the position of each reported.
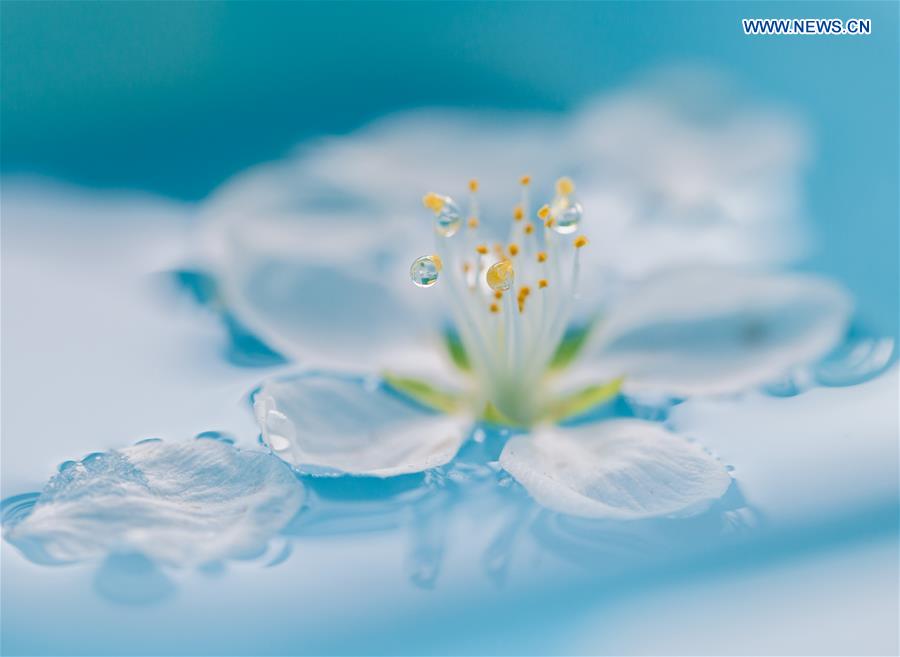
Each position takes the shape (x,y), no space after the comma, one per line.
(622,469)
(708,331)
(680,170)
(334,424)
(663,184)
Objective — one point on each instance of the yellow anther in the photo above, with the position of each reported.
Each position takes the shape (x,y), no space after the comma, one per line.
(498,249)
(524,291)
(525,180)
(433,202)
(521,305)
(542,256)
(513,249)
(500,275)
(438,263)
(529,229)
(482,249)
(580,241)
(565,186)
(473,222)
(494,308)
(498,294)
(544,212)
(542,283)
(549,223)
(467,267)
(473,185)
(518,213)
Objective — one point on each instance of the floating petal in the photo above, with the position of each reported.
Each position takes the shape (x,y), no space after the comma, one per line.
(618,469)
(175,503)
(333,424)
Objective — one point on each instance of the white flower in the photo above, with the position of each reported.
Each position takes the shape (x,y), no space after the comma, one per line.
(668,184)
(707,330)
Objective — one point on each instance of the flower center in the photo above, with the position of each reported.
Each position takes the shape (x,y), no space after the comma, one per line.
(511,302)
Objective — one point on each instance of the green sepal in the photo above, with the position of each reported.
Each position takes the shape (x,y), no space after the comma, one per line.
(493,415)
(584,400)
(570,346)
(424,393)
(457,350)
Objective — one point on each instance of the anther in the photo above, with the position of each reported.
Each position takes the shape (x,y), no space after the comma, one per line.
(580,241)
(542,283)
(565,186)
(542,256)
(513,250)
(473,185)
(433,202)
(518,213)
(543,212)
(482,249)
(473,222)
(525,180)
(529,229)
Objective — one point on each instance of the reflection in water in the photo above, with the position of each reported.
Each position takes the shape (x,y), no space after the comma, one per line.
(861,357)
(244,348)
(132,579)
(421,505)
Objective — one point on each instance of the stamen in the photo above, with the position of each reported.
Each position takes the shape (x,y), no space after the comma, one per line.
(509,350)
(565,186)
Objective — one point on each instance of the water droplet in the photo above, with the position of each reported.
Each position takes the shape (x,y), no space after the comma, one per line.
(280,431)
(568,219)
(500,275)
(424,271)
(448,219)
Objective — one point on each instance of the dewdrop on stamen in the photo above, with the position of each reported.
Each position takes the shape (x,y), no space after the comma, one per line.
(447,216)
(567,221)
(500,275)
(424,270)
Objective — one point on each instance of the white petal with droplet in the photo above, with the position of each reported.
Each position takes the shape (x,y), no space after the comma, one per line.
(177,503)
(621,469)
(709,331)
(334,424)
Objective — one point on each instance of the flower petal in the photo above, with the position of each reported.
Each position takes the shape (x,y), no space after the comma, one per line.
(334,424)
(708,331)
(622,469)
(177,503)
